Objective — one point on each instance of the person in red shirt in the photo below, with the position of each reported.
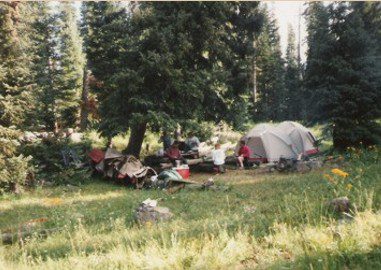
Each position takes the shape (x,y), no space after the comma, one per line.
(173,153)
(243,155)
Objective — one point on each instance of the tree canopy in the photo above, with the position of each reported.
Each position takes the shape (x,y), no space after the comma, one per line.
(155,65)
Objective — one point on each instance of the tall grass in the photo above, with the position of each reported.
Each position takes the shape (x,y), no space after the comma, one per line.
(288,226)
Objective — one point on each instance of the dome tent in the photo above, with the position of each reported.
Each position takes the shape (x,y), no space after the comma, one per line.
(270,142)
(301,137)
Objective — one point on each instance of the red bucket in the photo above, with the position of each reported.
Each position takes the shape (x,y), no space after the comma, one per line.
(184,172)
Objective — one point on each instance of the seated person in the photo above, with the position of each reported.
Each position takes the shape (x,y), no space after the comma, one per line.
(192,142)
(243,155)
(173,153)
(218,156)
(166,140)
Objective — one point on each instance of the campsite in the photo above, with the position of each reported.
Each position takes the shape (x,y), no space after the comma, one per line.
(194,135)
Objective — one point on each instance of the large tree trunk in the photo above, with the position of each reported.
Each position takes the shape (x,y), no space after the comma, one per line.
(254,76)
(136,139)
(84,118)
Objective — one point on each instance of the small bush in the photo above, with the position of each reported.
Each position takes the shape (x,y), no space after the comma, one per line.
(49,162)
(14,167)
(13,172)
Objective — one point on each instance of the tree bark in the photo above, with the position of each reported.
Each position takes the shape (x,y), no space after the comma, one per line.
(84,118)
(136,139)
(254,74)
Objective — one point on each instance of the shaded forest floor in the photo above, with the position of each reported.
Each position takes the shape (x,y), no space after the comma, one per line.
(264,221)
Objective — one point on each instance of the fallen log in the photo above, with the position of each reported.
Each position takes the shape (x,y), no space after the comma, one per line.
(10,238)
(195,161)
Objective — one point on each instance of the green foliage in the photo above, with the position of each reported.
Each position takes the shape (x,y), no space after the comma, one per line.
(156,66)
(294,96)
(49,163)
(16,82)
(59,65)
(342,74)
(71,64)
(271,89)
(13,166)
(13,172)
(203,130)
(46,61)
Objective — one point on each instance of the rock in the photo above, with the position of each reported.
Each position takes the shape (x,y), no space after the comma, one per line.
(345,218)
(208,183)
(314,164)
(302,167)
(340,205)
(149,212)
(46,183)
(29,136)
(76,137)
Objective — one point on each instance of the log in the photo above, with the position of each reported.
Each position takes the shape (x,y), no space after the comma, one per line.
(166,165)
(10,238)
(194,161)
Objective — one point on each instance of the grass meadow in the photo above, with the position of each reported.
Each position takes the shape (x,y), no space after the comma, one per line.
(265,221)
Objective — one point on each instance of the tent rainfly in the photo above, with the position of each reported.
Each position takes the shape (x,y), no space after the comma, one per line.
(268,142)
(302,138)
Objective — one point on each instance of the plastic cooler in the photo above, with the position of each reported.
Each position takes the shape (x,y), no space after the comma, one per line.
(183,171)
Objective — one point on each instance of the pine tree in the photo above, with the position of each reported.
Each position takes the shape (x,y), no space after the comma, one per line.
(293,94)
(15,57)
(317,77)
(46,66)
(15,90)
(104,29)
(165,69)
(59,65)
(271,89)
(354,107)
(342,74)
(71,65)
(242,29)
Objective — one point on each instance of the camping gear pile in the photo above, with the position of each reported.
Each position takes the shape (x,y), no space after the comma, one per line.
(125,168)
(288,140)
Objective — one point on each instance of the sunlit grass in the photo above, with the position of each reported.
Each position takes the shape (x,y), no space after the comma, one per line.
(264,221)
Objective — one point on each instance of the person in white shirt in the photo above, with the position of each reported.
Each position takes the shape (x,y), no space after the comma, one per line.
(218,156)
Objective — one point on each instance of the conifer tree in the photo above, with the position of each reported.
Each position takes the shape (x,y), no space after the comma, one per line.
(317,77)
(342,74)
(70,66)
(46,66)
(15,57)
(271,89)
(354,107)
(59,65)
(164,68)
(293,95)
(15,90)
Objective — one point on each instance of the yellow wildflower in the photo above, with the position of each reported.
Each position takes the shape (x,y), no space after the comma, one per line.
(339,172)
(329,178)
(349,186)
